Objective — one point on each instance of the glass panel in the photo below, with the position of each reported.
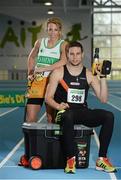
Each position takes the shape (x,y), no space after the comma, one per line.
(107,9)
(116,18)
(103,1)
(116,29)
(102,18)
(116,74)
(105,53)
(116,41)
(116,63)
(102,41)
(102,29)
(116,52)
(118,2)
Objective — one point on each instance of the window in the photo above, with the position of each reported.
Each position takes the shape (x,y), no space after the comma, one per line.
(107,34)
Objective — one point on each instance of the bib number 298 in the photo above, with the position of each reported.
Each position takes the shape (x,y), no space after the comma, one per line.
(76,95)
(76,98)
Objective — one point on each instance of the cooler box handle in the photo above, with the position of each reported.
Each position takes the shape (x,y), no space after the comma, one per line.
(52,137)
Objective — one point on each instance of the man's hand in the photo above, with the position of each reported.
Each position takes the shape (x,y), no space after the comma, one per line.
(98,71)
(62,106)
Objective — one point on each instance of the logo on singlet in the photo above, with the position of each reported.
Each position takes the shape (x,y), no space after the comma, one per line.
(53,52)
(83,78)
(75,83)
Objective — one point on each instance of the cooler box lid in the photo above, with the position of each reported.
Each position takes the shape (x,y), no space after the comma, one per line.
(56,128)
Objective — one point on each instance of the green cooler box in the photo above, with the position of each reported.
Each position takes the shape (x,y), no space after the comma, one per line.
(43,140)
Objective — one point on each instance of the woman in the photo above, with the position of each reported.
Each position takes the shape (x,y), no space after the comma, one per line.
(46,55)
(49,54)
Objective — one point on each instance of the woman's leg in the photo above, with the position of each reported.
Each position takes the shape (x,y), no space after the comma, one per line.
(32,109)
(32,112)
(31,115)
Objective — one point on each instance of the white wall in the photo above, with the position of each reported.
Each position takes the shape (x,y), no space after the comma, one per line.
(16,57)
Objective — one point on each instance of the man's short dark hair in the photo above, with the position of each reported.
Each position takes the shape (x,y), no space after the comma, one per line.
(74,44)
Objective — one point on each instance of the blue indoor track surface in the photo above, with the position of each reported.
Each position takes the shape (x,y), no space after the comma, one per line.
(12,143)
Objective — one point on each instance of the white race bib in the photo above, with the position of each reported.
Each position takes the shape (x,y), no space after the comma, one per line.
(76,96)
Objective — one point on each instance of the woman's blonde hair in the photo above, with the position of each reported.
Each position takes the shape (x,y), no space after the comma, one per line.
(56,21)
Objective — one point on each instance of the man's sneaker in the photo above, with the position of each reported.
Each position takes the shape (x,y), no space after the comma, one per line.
(103,164)
(70,166)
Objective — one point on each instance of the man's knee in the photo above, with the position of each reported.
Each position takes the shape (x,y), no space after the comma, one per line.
(110,117)
(67,114)
(67,117)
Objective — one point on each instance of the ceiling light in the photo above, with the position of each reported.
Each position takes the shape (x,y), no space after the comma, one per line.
(48,3)
(50,11)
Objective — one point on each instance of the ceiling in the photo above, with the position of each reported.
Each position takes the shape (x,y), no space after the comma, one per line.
(58,5)
(31,8)
(64,4)
(28,3)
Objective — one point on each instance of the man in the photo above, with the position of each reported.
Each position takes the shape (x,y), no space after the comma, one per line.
(67,93)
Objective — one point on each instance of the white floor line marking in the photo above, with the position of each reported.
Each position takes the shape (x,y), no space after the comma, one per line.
(112,175)
(116,107)
(96,139)
(115,96)
(44,115)
(16,147)
(16,166)
(9,111)
(11,153)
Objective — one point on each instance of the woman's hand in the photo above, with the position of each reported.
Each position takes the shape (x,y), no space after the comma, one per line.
(30,77)
(38,69)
